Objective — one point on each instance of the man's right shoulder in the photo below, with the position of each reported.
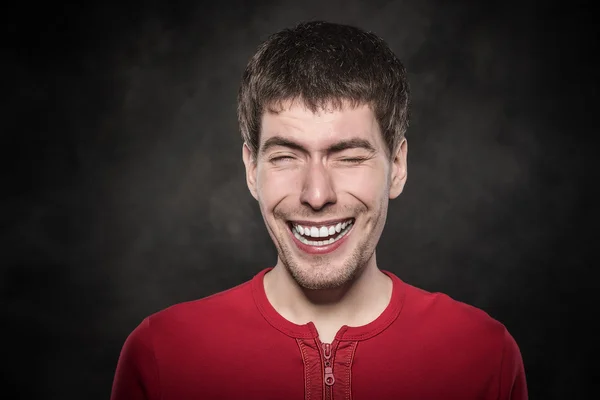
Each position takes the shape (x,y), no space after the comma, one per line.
(222,305)
(165,344)
(222,311)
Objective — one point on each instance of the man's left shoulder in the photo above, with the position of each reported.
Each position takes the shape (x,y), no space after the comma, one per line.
(460,336)
(452,318)
(462,346)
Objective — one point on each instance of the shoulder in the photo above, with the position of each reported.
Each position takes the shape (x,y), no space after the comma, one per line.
(462,337)
(454,330)
(196,317)
(218,307)
(450,316)
(169,338)
(199,321)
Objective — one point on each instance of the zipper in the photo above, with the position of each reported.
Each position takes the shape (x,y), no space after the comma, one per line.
(328,377)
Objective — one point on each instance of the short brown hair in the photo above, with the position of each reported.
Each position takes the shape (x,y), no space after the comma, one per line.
(324,64)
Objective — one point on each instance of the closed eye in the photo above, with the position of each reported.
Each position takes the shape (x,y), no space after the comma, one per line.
(353,160)
(281,158)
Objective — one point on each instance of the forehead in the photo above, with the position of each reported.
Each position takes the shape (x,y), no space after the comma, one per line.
(293,120)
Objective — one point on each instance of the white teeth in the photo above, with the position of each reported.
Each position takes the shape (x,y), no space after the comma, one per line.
(323,231)
(304,240)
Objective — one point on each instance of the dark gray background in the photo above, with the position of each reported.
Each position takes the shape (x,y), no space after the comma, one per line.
(123,188)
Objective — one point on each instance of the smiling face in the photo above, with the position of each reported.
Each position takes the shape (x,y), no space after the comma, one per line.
(323,182)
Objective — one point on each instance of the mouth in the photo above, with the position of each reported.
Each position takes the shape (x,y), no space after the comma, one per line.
(320,238)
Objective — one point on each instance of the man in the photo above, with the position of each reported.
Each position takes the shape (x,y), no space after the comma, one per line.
(323,110)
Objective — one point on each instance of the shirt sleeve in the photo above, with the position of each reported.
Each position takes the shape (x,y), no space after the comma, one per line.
(513,385)
(136,376)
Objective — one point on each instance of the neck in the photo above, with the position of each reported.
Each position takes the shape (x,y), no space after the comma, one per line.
(357,303)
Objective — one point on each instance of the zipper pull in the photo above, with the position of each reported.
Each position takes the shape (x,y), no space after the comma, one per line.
(329,379)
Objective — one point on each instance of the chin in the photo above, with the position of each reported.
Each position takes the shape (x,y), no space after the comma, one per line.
(323,276)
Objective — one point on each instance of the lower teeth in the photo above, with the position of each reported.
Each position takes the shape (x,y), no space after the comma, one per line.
(322,242)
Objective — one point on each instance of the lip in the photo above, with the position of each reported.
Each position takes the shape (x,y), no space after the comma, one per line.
(328,248)
(321,223)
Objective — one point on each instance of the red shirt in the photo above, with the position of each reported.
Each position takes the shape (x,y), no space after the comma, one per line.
(234,345)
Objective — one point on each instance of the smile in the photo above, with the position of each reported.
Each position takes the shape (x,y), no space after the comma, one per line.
(317,238)
(324,235)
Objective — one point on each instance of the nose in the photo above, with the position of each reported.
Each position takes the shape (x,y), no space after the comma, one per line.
(318,189)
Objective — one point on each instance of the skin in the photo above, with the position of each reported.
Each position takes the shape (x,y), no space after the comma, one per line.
(309,181)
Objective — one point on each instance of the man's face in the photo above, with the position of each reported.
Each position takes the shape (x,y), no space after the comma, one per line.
(323,182)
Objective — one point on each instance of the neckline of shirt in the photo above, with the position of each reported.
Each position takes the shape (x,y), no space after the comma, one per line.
(346,333)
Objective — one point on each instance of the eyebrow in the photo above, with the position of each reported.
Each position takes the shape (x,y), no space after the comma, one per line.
(353,143)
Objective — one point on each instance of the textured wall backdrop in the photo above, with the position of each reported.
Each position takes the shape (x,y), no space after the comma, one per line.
(123,186)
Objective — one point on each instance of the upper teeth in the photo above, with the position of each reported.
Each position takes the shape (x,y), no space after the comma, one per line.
(323,231)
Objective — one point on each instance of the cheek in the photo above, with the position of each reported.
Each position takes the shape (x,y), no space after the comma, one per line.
(366,184)
(273,186)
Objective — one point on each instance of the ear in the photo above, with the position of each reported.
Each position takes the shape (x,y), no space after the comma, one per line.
(250,164)
(398,171)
